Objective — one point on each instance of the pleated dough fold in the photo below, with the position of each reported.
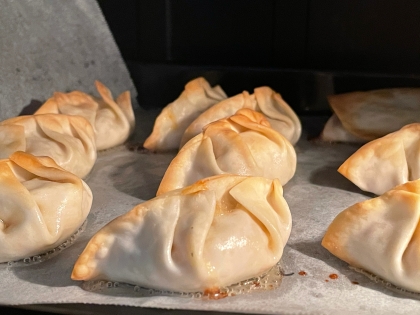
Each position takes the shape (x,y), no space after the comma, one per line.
(68,140)
(243,144)
(264,100)
(112,120)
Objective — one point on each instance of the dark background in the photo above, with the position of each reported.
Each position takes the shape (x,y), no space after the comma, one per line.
(304,49)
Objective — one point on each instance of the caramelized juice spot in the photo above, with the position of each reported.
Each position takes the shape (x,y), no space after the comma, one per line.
(333,276)
(355,282)
(302,273)
(214,294)
(195,188)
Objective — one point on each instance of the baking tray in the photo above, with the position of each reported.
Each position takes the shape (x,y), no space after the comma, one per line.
(320,283)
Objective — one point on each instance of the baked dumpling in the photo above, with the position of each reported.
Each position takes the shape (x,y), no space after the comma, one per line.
(112,121)
(264,100)
(171,123)
(42,205)
(68,140)
(386,162)
(243,144)
(334,132)
(214,233)
(373,114)
(381,236)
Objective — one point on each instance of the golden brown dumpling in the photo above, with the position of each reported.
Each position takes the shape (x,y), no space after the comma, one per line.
(243,144)
(334,132)
(382,236)
(369,115)
(171,123)
(264,100)
(214,233)
(386,162)
(112,120)
(42,205)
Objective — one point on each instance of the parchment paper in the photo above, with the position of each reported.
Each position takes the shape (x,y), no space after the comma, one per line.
(49,46)
(121,179)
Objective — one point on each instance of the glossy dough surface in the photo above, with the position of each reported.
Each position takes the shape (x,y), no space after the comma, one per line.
(373,114)
(112,120)
(42,205)
(171,123)
(264,100)
(68,140)
(382,236)
(386,162)
(243,144)
(214,233)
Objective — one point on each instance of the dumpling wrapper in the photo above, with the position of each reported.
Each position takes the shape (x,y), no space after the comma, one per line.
(171,123)
(112,120)
(243,144)
(334,132)
(264,100)
(42,205)
(373,114)
(214,233)
(381,236)
(68,140)
(386,162)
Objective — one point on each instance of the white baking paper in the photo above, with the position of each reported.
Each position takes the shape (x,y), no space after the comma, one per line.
(49,46)
(121,179)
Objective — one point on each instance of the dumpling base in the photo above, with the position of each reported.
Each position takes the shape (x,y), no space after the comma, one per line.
(36,259)
(267,281)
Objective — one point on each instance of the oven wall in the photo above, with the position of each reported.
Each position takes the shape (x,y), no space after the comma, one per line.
(303,48)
